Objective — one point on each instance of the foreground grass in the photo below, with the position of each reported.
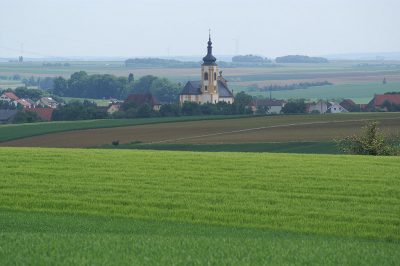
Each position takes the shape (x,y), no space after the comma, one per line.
(328,147)
(46,239)
(122,206)
(18,131)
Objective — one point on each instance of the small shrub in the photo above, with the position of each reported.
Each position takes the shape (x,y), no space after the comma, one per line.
(115,142)
(370,142)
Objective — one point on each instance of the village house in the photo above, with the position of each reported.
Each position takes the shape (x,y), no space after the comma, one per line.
(320,107)
(25,103)
(378,102)
(44,113)
(349,104)
(140,99)
(114,107)
(47,102)
(212,88)
(9,97)
(335,108)
(274,106)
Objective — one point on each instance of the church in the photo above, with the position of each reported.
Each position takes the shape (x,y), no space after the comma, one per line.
(212,88)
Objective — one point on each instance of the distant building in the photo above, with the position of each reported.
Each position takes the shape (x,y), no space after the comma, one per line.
(335,108)
(47,102)
(9,97)
(25,103)
(113,108)
(377,103)
(318,107)
(348,104)
(44,114)
(274,106)
(323,107)
(140,99)
(212,88)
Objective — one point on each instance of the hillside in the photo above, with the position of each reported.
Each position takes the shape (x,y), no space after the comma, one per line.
(261,129)
(145,207)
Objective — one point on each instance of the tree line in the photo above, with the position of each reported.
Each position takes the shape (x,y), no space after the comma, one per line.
(106,86)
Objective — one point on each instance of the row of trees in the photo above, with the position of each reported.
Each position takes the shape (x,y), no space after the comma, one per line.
(240,106)
(300,59)
(82,85)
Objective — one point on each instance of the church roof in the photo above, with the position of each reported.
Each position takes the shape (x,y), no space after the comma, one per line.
(209,59)
(194,88)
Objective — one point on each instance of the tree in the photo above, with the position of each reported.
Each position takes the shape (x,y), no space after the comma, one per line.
(26,117)
(190,108)
(60,86)
(33,94)
(131,78)
(144,111)
(170,110)
(242,103)
(295,107)
(370,142)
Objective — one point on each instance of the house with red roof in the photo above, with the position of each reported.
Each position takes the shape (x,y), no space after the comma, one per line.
(45,114)
(9,97)
(140,99)
(25,103)
(380,100)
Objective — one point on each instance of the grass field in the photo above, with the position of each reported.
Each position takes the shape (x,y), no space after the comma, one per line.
(99,102)
(328,147)
(73,206)
(282,128)
(17,131)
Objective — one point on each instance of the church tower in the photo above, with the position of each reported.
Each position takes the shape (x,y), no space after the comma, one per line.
(209,82)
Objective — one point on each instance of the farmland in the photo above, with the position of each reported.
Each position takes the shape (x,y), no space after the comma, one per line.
(146,207)
(358,80)
(17,131)
(282,128)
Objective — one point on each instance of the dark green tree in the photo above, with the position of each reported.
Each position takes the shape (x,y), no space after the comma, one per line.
(295,107)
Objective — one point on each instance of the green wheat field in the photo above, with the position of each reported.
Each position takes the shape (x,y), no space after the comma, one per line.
(102,207)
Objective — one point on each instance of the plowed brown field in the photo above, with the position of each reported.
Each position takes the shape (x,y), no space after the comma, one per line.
(244,130)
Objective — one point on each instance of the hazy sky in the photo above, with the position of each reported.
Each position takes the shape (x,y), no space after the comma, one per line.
(180,27)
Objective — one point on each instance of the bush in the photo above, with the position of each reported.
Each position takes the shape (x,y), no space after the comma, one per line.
(370,142)
(115,142)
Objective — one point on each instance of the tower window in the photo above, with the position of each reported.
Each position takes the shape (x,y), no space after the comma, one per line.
(205,88)
(206,76)
(215,76)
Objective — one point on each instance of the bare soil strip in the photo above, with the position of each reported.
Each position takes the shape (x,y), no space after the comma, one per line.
(248,130)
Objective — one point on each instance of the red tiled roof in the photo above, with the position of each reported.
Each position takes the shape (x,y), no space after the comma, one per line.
(44,113)
(24,103)
(381,98)
(11,95)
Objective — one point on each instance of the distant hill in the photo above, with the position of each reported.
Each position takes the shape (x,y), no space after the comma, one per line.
(365,56)
(158,62)
(300,59)
(250,59)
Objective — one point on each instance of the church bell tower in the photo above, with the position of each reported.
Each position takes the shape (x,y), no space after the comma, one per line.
(209,70)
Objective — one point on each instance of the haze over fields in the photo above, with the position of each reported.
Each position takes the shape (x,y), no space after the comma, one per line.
(46,28)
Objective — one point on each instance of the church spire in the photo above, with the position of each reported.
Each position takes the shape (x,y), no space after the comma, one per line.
(209,59)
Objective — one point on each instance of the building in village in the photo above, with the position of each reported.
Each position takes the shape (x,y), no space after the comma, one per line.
(212,88)
(139,99)
(380,101)
(272,106)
